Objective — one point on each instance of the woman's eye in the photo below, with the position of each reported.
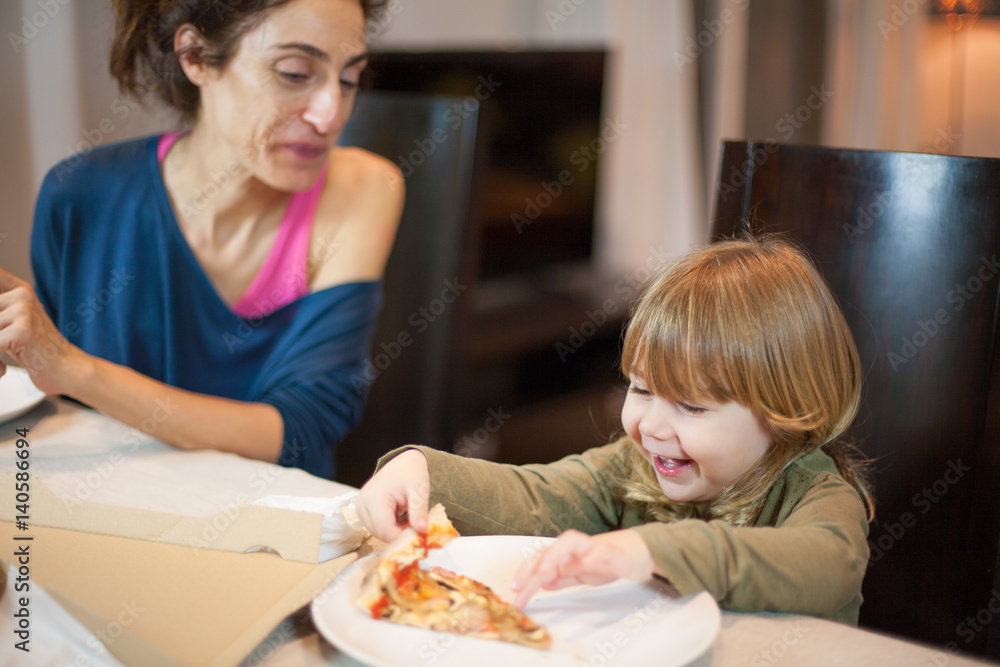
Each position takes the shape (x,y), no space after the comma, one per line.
(348,85)
(293,77)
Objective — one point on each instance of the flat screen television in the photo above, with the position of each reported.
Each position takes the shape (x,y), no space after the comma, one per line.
(542,114)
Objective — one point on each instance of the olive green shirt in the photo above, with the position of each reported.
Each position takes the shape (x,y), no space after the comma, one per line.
(807,552)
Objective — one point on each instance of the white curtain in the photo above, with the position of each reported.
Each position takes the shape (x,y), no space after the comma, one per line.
(871,55)
(651,195)
(58,99)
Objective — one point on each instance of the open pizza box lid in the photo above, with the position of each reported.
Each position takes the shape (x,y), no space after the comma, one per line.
(161,604)
(173,587)
(161,588)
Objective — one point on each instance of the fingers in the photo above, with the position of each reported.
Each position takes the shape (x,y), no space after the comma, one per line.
(9,281)
(553,568)
(401,486)
(417,501)
(576,558)
(378,517)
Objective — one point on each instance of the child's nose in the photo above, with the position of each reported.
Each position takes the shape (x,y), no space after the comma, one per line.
(657,423)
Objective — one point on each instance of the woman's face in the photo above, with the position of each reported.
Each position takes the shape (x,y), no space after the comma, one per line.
(697,449)
(279,104)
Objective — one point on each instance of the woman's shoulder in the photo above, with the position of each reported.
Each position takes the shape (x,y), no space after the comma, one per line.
(358,214)
(359,167)
(92,167)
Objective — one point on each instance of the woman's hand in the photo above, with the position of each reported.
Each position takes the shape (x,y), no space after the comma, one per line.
(576,558)
(31,339)
(403,485)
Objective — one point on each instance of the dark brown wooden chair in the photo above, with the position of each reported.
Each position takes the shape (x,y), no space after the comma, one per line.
(910,244)
(428,273)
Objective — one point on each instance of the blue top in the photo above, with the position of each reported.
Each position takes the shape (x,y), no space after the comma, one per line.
(118,278)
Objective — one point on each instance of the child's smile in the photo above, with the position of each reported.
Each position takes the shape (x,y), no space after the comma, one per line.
(696,449)
(671,467)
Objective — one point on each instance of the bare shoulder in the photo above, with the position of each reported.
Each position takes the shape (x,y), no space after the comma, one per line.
(357,217)
(364,172)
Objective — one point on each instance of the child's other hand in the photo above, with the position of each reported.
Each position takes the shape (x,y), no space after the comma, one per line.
(576,558)
(403,485)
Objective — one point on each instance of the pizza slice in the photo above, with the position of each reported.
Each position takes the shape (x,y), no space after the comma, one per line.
(400,591)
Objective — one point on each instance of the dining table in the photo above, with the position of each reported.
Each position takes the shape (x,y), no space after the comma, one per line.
(71,446)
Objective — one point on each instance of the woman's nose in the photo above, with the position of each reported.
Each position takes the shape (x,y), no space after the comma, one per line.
(323,106)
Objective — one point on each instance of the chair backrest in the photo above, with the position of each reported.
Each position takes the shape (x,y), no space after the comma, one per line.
(910,244)
(428,272)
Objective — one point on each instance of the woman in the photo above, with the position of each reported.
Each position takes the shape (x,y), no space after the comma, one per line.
(227,277)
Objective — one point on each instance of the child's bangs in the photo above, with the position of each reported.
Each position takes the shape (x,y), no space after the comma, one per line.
(678,347)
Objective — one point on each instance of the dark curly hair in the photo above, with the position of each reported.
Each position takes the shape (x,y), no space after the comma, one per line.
(142,52)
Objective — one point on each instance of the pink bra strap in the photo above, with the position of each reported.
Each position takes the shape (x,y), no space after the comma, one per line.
(284,276)
(166,141)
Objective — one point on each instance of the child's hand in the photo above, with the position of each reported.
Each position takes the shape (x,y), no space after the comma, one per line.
(402,485)
(576,558)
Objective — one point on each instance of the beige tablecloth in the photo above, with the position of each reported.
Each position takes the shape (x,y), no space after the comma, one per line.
(79,453)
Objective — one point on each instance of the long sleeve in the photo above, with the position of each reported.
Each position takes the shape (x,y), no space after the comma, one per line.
(807,554)
(486,498)
(813,562)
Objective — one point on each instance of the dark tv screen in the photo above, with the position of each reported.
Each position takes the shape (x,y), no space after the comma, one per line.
(541,111)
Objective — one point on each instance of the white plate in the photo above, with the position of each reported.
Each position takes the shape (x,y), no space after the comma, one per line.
(17,394)
(624,623)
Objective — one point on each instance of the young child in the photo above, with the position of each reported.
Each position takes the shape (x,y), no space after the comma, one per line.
(731,478)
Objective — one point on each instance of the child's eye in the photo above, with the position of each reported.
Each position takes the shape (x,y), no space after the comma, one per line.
(637,390)
(690,409)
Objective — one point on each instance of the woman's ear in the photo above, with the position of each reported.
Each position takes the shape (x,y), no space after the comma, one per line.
(189,45)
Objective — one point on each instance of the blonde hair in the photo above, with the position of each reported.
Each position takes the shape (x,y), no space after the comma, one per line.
(749,321)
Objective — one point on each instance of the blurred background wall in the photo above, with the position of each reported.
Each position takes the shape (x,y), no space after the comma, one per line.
(683,74)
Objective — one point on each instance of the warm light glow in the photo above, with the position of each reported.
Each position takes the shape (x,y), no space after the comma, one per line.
(961,13)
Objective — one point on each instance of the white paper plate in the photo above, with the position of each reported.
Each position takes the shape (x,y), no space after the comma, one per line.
(17,394)
(624,623)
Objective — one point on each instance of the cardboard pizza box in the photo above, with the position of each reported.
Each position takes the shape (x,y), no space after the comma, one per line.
(240,528)
(156,604)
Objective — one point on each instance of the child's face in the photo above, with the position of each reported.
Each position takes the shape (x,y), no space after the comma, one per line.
(697,449)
